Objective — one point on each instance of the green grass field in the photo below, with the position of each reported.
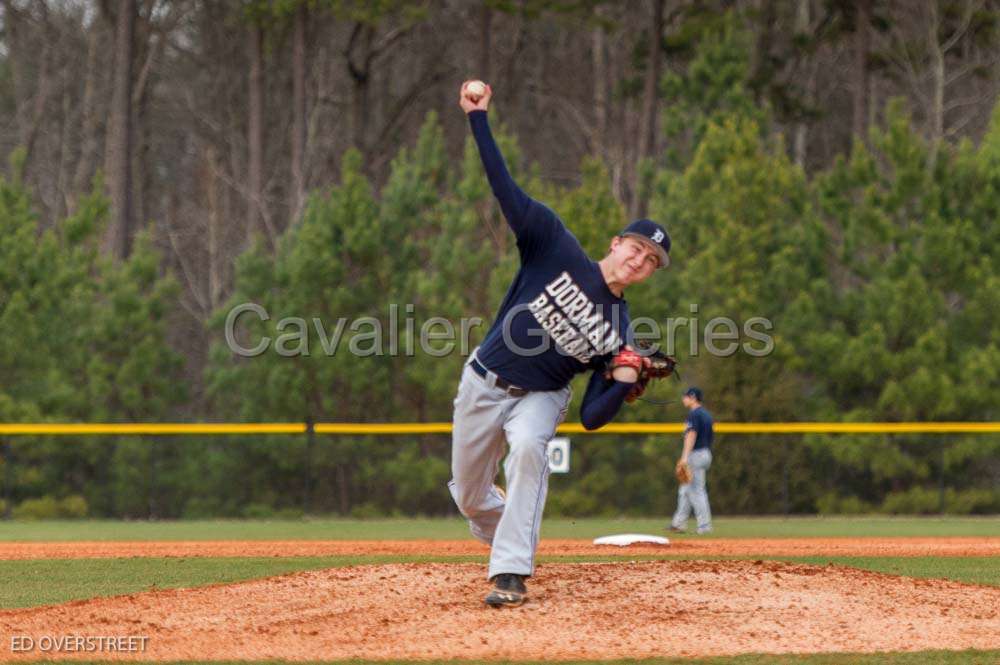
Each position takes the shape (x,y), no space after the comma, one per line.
(455,528)
(38,582)
(46,581)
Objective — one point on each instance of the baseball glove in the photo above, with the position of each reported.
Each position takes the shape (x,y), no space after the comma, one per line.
(650,364)
(660,365)
(683,472)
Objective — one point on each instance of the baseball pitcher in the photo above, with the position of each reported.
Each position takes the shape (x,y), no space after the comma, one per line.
(563,314)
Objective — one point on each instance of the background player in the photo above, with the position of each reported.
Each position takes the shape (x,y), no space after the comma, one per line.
(697,454)
(563,314)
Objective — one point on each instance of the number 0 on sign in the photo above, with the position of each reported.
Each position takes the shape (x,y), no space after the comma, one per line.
(559,455)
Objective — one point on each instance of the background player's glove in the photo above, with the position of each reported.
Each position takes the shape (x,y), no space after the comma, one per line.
(683,472)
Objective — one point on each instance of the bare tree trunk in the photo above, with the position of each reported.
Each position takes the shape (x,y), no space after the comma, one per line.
(600,62)
(257,216)
(28,114)
(765,25)
(360,71)
(650,105)
(937,84)
(89,123)
(37,112)
(142,177)
(70,115)
(153,44)
(619,133)
(140,106)
(214,262)
(485,42)
(360,78)
(862,46)
(800,145)
(323,77)
(515,98)
(197,309)
(119,143)
(298,110)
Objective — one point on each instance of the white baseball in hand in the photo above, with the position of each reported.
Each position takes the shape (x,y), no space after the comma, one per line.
(475,89)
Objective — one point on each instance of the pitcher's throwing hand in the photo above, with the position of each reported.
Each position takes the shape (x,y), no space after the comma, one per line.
(472,97)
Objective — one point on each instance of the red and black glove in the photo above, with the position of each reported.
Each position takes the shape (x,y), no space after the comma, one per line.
(654,365)
(626,358)
(638,389)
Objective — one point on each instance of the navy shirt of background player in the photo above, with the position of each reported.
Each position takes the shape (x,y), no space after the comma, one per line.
(559,316)
(700,421)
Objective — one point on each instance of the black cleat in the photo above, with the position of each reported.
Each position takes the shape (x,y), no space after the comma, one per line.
(508,591)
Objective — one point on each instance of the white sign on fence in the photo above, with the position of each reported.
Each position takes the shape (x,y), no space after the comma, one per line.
(558,450)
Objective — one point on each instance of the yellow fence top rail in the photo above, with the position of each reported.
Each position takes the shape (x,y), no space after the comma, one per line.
(150,428)
(89,429)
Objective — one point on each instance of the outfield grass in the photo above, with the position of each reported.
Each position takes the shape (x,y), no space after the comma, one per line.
(455,528)
(971,569)
(36,582)
(46,581)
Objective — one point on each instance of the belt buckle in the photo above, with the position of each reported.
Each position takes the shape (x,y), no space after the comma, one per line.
(484,372)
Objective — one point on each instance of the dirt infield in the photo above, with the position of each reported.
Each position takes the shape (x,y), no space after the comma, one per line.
(584,610)
(921,546)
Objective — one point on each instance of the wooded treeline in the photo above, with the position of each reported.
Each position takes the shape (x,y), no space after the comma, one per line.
(830,166)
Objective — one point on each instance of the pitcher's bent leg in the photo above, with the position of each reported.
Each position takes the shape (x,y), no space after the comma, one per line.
(476,449)
(532,423)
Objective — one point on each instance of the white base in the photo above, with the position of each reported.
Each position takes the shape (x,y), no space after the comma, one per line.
(623,539)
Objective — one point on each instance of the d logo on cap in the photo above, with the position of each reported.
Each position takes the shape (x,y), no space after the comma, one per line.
(650,231)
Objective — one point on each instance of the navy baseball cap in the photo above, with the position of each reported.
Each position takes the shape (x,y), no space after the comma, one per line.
(653,233)
(694,392)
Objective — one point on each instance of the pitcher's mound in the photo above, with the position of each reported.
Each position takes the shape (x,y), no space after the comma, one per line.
(585,611)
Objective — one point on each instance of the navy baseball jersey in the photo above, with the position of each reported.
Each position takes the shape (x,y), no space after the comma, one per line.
(700,421)
(558,314)
(559,317)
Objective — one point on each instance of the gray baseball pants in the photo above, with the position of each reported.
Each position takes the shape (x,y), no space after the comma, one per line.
(694,495)
(485,418)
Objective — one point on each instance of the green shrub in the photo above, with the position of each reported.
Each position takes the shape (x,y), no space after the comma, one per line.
(973,501)
(48,507)
(367,510)
(73,506)
(202,508)
(927,501)
(288,514)
(832,504)
(914,501)
(258,511)
(44,508)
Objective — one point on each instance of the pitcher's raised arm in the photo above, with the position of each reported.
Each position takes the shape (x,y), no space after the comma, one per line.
(513,201)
